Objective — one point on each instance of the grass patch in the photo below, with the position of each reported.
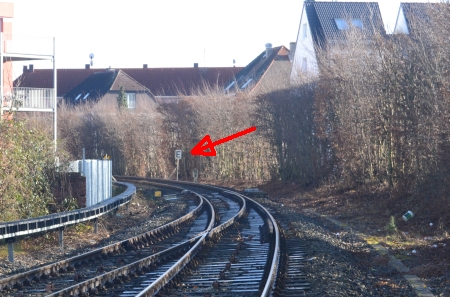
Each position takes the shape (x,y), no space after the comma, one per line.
(18,250)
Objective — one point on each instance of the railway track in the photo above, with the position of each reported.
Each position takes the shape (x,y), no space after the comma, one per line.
(226,245)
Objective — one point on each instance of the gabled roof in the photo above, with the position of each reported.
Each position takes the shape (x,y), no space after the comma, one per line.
(248,77)
(160,81)
(414,12)
(99,83)
(322,15)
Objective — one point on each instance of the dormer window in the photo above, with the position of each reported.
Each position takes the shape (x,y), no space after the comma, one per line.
(344,24)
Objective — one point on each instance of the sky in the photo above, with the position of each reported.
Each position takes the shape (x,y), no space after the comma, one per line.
(169,33)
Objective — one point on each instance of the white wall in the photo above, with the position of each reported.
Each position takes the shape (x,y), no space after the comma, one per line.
(400,24)
(304,51)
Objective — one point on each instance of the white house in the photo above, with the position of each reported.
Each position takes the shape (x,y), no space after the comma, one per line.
(409,13)
(323,24)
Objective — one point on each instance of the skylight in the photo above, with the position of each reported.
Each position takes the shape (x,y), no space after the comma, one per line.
(341,24)
(227,88)
(245,85)
(84,98)
(357,23)
(78,97)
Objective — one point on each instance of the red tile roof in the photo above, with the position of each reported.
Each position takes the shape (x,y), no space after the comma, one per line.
(160,81)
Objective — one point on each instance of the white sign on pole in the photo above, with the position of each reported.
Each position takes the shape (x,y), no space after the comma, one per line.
(178,157)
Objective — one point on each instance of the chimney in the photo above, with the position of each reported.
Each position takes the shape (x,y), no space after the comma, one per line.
(292,47)
(87,66)
(269,49)
(145,66)
(31,69)
(195,65)
(25,68)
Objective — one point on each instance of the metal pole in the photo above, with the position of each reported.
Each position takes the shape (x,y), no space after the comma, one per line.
(10,249)
(178,162)
(1,73)
(61,237)
(55,99)
(83,163)
(96,226)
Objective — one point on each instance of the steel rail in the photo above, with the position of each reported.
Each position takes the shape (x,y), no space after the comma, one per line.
(157,285)
(271,273)
(55,267)
(177,267)
(19,228)
(138,265)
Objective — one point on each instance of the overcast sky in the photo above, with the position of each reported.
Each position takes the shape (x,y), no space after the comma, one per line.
(166,33)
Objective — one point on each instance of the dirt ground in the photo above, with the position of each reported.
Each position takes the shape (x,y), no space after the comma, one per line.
(421,243)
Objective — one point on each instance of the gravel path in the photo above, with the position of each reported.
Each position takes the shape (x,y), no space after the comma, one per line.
(140,217)
(339,263)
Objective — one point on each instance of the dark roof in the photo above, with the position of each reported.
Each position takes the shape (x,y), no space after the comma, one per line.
(322,15)
(99,83)
(417,12)
(160,81)
(256,69)
(93,87)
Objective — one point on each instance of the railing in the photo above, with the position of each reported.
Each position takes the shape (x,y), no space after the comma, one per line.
(27,44)
(29,98)
(14,229)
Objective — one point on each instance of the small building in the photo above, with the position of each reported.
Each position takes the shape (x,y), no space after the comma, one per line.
(324,24)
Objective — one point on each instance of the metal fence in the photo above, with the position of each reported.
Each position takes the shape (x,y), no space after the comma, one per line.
(14,229)
(98,179)
(39,98)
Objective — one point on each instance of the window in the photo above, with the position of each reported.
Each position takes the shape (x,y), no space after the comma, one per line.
(246,84)
(305,31)
(85,97)
(304,64)
(131,100)
(230,86)
(343,24)
(357,23)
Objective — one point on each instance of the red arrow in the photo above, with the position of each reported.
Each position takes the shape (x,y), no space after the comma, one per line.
(202,147)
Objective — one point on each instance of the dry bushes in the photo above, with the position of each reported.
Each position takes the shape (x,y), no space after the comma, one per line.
(383,104)
(132,139)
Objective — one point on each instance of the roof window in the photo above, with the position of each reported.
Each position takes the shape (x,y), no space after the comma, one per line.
(227,88)
(341,24)
(344,24)
(84,98)
(246,84)
(78,97)
(357,23)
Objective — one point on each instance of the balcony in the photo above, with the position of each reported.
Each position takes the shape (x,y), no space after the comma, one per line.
(19,47)
(29,99)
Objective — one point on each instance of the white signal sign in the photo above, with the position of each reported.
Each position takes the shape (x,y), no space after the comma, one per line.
(178,154)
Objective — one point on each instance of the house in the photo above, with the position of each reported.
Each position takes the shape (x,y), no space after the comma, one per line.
(164,83)
(13,48)
(409,14)
(325,24)
(272,66)
(106,85)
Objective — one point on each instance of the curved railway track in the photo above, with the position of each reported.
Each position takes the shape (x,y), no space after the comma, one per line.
(226,245)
